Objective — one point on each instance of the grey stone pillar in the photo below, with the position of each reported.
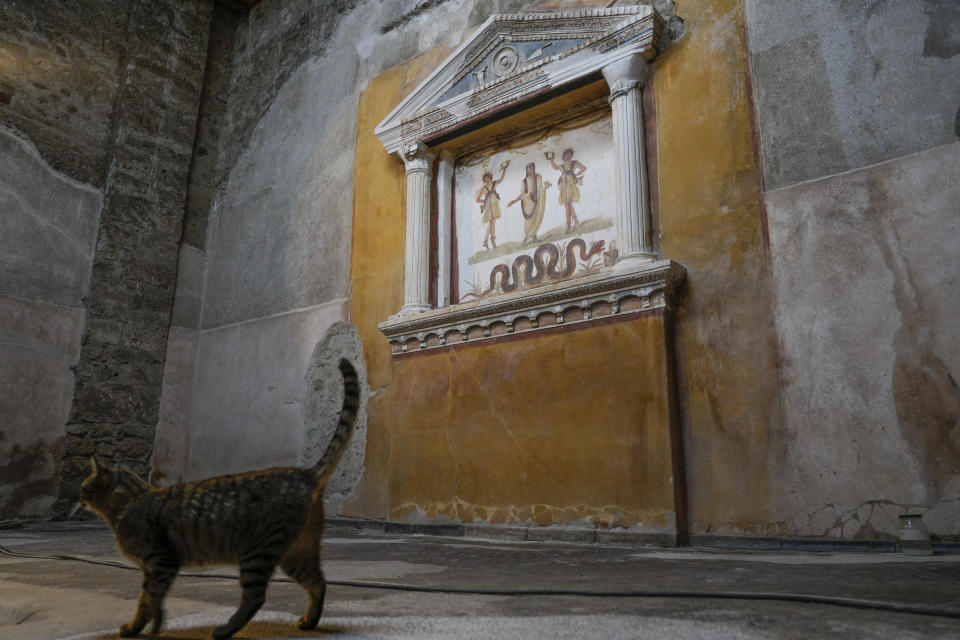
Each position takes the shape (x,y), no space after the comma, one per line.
(418,161)
(625,78)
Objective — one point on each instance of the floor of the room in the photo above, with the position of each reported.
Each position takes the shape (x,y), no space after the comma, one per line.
(66,598)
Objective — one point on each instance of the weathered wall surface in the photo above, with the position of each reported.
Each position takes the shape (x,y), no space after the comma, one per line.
(119,378)
(863,256)
(58,80)
(841,85)
(274,275)
(562,427)
(711,221)
(865,268)
(48,227)
(108,95)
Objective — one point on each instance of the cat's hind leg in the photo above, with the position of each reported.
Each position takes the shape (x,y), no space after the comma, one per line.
(303,565)
(140,618)
(255,573)
(302,562)
(156,583)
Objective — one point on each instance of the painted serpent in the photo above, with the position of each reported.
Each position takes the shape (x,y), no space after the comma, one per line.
(542,265)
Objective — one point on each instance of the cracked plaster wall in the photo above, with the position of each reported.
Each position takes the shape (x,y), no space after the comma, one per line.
(868,300)
(858,131)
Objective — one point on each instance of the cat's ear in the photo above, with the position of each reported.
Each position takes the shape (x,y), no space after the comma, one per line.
(101,472)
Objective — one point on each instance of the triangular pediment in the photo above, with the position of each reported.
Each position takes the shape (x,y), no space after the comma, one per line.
(512,59)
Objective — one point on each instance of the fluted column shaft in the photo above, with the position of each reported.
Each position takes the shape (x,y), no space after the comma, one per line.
(418,162)
(625,78)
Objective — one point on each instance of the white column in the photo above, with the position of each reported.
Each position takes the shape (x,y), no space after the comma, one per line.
(445,214)
(418,160)
(625,77)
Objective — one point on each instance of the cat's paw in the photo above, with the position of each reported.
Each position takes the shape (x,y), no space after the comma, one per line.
(306,624)
(130,629)
(223,631)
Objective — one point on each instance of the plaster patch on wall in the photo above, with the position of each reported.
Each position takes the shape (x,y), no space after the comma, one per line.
(942,38)
(246,409)
(27,478)
(48,226)
(879,72)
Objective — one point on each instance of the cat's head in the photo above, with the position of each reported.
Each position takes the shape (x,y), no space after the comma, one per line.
(108,490)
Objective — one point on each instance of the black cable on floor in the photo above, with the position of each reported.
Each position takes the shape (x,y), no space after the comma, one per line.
(721,595)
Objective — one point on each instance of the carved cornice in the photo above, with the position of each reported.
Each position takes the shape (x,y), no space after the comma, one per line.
(449,101)
(656,285)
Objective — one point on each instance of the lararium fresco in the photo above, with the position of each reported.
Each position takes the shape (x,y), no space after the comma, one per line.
(537,212)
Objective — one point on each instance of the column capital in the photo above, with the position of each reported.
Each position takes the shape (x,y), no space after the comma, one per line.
(622,88)
(417,156)
(625,74)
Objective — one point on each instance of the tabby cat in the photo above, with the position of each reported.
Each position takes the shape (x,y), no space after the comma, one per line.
(258,520)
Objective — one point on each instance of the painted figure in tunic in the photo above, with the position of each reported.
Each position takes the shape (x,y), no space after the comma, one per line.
(489,201)
(571,172)
(532,201)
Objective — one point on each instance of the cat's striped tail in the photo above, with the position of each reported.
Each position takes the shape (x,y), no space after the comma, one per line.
(348,417)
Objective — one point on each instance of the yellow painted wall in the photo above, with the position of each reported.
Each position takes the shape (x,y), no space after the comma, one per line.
(554,427)
(476,432)
(712,222)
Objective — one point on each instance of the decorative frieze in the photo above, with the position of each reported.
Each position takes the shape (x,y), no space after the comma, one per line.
(645,32)
(609,295)
(506,90)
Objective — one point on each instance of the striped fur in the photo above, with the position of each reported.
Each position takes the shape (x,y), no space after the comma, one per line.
(257,520)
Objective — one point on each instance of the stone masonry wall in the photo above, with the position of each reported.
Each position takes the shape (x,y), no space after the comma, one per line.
(119,377)
(108,94)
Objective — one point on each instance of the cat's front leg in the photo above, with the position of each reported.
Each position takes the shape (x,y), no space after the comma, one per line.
(141,618)
(156,582)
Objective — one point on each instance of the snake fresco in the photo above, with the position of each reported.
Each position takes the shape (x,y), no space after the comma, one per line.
(542,266)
